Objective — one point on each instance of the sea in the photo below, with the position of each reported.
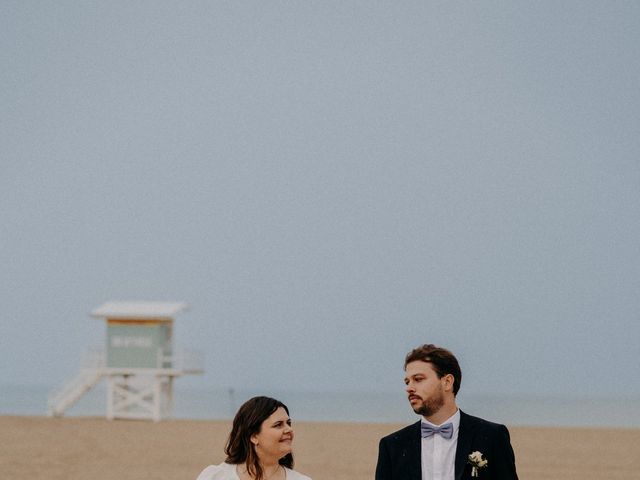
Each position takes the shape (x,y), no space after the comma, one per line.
(351,406)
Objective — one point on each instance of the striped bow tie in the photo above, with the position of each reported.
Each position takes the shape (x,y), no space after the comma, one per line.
(446,430)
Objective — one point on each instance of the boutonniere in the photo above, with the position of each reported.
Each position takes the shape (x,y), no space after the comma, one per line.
(477,461)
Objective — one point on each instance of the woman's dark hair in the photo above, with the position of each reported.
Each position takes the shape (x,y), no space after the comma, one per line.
(442,360)
(247,422)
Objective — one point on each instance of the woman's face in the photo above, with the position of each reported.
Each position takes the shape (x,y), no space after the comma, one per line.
(275,438)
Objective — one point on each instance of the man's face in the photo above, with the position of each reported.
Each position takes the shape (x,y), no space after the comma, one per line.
(425,390)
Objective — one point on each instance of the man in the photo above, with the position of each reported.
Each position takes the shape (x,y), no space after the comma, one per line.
(446,444)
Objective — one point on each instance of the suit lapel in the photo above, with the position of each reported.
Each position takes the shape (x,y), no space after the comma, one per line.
(465,436)
(414,453)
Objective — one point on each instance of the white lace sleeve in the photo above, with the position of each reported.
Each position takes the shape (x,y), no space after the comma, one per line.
(213,472)
(293,475)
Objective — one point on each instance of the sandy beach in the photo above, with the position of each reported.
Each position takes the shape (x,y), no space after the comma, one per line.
(96,449)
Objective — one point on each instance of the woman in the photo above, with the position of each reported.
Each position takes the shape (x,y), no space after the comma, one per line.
(259,445)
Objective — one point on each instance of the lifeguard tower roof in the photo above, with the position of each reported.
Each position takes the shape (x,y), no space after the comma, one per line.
(139,310)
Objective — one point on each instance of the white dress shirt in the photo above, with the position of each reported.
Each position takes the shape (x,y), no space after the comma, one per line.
(438,453)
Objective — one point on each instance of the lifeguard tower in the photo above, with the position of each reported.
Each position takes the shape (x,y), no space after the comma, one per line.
(139,363)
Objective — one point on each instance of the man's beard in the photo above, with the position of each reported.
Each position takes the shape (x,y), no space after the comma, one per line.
(430,406)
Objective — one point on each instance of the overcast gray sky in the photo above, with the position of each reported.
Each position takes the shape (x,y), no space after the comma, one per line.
(327,185)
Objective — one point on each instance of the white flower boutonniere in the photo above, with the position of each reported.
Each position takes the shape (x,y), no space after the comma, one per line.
(477,461)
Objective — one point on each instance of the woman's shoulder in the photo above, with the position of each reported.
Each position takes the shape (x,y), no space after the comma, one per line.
(224,471)
(293,475)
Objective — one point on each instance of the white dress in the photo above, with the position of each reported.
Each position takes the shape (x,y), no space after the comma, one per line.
(227,471)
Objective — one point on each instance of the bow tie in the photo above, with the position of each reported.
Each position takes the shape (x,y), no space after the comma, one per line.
(445,431)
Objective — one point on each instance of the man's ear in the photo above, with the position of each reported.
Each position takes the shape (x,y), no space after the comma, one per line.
(447,382)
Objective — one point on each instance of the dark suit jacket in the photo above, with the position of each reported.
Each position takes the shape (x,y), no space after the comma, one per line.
(399,454)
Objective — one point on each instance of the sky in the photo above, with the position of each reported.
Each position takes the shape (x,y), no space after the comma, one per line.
(327,185)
